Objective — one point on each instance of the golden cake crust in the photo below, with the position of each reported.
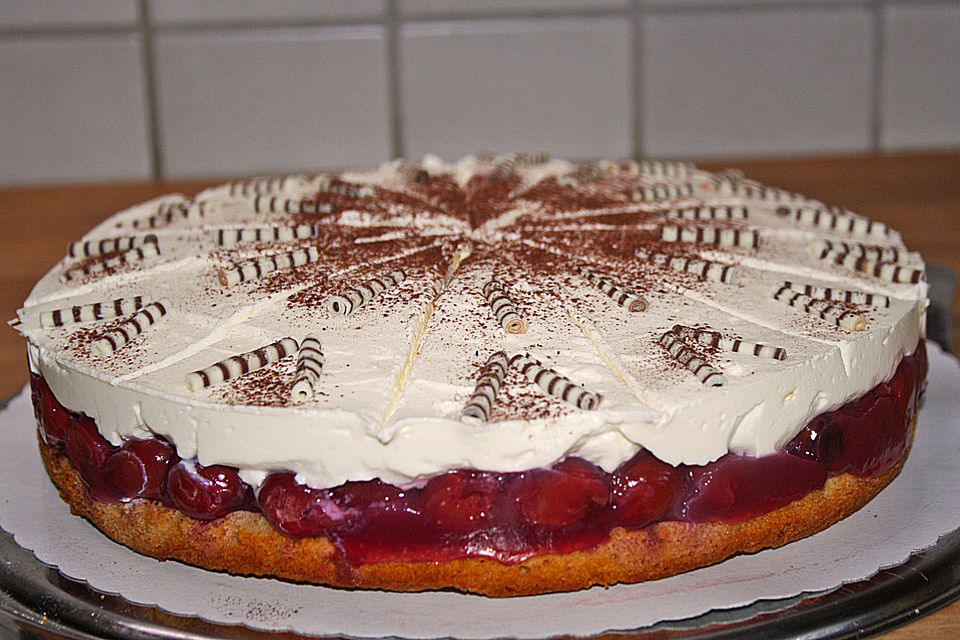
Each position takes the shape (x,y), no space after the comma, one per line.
(244,543)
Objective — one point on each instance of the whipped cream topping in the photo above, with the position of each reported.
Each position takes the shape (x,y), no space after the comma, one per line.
(399,369)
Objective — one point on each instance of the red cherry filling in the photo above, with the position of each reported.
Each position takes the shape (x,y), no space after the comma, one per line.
(644,490)
(559,496)
(205,493)
(295,508)
(52,417)
(461,501)
(88,452)
(139,469)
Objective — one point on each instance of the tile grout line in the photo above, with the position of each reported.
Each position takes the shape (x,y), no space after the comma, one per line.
(395,103)
(876,75)
(148,62)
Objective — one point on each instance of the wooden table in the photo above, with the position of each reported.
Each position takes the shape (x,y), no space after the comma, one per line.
(918,194)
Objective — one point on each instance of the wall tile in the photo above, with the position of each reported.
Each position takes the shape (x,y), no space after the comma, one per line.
(32,14)
(756,82)
(921,77)
(558,85)
(169,12)
(272,101)
(413,8)
(72,109)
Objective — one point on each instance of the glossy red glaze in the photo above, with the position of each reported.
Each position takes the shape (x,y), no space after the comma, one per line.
(508,516)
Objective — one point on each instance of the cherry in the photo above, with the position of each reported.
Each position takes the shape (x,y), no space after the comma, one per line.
(822,441)
(296,509)
(644,490)
(139,469)
(736,488)
(461,501)
(369,494)
(205,493)
(559,496)
(52,417)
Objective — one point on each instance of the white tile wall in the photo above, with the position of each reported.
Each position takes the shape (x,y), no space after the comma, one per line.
(560,85)
(72,109)
(921,85)
(32,14)
(187,12)
(128,89)
(275,100)
(755,82)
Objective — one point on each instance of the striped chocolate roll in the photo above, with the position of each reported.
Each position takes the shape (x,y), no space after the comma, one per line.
(254,269)
(504,166)
(349,189)
(413,172)
(756,191)
(844,295)
(236,366)
(271,185)
(629,300)
(710,212)
(554,384)
(824,309)
(240,235)
(83,313)
(503,308)
(87,248)
(169,212)
(355,297)
(719,341)
(706,374)
(824,249)
(832,220)
(281,204)
(663,191)
(703,269)
(893,272)
(664,169)
(130,328)
(309,366)
(133,255)
(741,238)
(484,395)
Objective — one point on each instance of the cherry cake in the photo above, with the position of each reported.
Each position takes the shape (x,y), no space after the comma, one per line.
(506,375)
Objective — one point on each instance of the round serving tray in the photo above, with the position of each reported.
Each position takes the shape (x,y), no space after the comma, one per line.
(36,601)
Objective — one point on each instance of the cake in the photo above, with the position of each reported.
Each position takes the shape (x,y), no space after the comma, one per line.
(504,375)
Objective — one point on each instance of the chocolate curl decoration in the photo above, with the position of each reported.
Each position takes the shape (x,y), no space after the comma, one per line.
(503,308)
(663,169)
(756,191)
(844,295)
(627,299)
(706,374)
(835,220)
(236,366)
(713,212)
(348,189)
(84,313)
(504,166)
(354,298)
(663,191)
(87,248)
(824,309)
(279,204)
(413,172)
(824,249)
(309,366)
(703,269)
(734,345)
(240,235)
(133,255)
(892,272)
(267,186)
(741,238)
(555,384)
(484,396)
(130,328)
(254,269)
